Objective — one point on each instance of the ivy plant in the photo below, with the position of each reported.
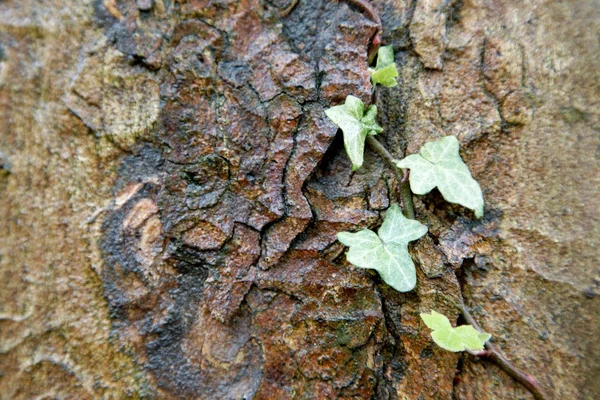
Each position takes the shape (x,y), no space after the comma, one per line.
(461,338)
(385,71)
(386,251)
(356,125)
(438,164)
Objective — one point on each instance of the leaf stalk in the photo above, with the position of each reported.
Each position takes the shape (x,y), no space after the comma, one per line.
(492,354)
(403,185)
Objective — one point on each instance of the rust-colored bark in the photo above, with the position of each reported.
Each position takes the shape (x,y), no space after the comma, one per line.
(170,190)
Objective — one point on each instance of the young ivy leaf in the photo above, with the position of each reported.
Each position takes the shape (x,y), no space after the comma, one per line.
(356,125)
(439,164)
(461,338)
(385,71)
(387,251)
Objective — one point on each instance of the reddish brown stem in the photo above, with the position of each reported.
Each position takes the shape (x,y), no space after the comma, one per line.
(373,15)
(492,354)
(404,188)
(289,9)
(366,9)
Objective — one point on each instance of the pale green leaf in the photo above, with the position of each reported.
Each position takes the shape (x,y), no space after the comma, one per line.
(385,71)
(469,337)
(436,321)
(354,106)
(447,340)
(396,228)
(385,56)
(396,267)
(363,247)
(439,165)
(369,121)
(356,124)
(387,252)
(365,237)
(461,338)
(484,337)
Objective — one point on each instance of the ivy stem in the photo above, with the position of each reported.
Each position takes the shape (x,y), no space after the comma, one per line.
(405,193)
(289,9)
(368,10)
(492,354)
(373,15)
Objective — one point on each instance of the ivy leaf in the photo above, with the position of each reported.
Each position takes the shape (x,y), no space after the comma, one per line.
(439,164)
(387,251)
(484,337)
(385,71)
(396,228)
(356,125)
(435,321)
(461,338)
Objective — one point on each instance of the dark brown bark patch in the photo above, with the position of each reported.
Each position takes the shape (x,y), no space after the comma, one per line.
(214,275)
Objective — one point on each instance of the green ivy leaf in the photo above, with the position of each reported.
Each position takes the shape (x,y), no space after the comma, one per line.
(439,164)
(484,337)
(461,338)
(435,321)
(396,228)
(385,71)
(356,125)
(387,251)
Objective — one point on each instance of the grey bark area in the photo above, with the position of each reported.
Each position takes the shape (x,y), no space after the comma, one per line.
(170,190)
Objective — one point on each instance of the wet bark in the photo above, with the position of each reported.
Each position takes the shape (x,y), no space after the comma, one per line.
(170,190)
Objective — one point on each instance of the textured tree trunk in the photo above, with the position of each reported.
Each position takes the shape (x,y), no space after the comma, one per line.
(170,190)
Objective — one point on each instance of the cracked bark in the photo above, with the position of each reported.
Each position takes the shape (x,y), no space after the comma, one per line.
(191,137)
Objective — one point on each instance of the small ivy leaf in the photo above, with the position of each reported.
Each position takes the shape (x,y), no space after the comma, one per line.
(387,253)
(461,338)
(356,125)
(484,337)
(385,71)
(369,121)
(396,268)
(435,321)
(392,261)
(363,247)
(439,164)
(396,228)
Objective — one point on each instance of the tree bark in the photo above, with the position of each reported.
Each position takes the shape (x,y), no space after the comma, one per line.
(170,190)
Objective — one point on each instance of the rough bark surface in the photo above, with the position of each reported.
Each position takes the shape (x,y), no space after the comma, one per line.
(170,190)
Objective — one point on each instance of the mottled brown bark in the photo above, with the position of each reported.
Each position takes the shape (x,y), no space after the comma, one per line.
(170,190)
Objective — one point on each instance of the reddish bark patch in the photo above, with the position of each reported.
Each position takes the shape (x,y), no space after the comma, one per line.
(213,267)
